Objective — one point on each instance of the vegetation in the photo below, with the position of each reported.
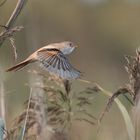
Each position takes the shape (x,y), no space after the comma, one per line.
(56,109)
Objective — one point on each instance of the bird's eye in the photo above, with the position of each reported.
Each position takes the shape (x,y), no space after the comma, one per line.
(70,44)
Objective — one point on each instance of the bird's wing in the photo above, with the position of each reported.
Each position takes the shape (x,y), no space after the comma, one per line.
(55,62)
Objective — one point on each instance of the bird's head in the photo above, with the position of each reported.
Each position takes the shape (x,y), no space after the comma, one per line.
(67,47)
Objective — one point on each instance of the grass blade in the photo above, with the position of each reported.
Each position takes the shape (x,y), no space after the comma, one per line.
(125,114)
(128,122)
(26,119)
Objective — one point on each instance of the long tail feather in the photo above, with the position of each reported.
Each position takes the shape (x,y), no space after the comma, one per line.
(19,66)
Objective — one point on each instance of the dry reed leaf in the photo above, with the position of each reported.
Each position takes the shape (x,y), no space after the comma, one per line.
(111,100)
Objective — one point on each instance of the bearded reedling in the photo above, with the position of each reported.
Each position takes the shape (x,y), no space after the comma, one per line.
(53,58)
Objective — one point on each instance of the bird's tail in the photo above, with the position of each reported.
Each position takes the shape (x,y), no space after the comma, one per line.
(19,66)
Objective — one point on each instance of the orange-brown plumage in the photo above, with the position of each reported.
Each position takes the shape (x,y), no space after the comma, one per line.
(52,57)
(19,66)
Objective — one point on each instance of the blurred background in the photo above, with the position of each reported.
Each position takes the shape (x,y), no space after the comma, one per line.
(105,30)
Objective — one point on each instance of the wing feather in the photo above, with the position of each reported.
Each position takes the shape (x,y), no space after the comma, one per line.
(55,62)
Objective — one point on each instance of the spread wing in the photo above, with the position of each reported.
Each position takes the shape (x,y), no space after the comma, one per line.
(55,62)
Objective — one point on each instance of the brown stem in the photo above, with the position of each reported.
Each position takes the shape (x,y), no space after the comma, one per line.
(14,16)
(15,13)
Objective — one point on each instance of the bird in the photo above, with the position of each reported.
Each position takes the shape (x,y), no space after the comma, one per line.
(53,58)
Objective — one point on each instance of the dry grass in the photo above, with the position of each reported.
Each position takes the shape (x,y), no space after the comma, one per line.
(133,69)
(62,107)
(8,34)
(133,87)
